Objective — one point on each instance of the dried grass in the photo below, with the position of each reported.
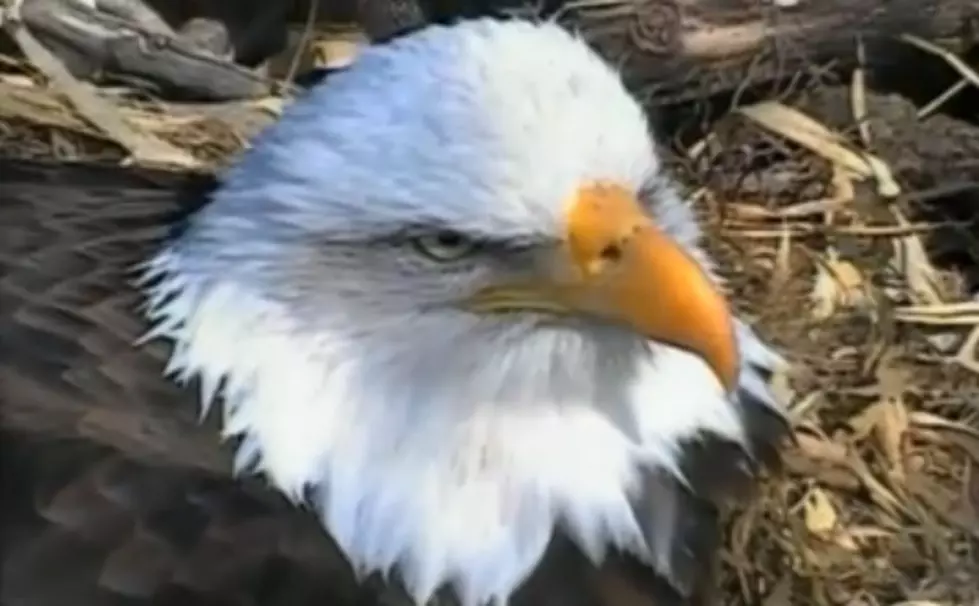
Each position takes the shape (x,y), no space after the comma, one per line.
(877,503)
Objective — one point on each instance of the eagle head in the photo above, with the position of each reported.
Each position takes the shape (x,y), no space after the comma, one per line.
(453,300)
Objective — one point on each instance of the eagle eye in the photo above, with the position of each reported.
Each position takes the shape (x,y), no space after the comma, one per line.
(444,245)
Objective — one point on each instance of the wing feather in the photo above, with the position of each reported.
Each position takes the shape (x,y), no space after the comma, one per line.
(114,493)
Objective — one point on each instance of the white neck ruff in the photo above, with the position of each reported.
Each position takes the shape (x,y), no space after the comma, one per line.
(462,489)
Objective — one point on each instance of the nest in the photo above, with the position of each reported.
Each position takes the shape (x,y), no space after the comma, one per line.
(844,228)
(829,255)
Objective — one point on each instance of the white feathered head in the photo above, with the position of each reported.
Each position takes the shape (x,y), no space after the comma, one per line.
(453,296)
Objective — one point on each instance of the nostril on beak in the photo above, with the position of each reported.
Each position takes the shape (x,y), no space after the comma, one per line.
(611,252)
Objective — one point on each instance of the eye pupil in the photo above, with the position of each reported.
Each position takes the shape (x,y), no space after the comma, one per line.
(449,239)
(445,245)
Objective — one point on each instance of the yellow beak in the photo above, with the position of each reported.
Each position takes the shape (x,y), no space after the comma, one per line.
(617,265)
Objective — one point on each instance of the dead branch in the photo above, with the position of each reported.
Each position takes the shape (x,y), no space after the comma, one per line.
(142,147)
(92,43)
(670,50)
(676,50)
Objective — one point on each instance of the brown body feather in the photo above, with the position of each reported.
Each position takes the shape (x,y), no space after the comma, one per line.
(114,492)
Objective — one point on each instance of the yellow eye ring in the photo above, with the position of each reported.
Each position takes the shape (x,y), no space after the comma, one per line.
(444,245)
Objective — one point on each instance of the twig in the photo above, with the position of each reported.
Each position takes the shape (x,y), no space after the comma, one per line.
(303,41)
(966,355)
(858,95)
(803,130)
(939,309)
(956,63)
(949,314)
(800,230)
(933,105)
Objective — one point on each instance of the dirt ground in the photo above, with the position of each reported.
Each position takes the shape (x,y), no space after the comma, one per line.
(852,245)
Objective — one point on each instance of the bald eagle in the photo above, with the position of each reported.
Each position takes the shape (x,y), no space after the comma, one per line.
(449,316)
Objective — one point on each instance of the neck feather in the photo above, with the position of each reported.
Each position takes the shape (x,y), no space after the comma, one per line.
(452,468)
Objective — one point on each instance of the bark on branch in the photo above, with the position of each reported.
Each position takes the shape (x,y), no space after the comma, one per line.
(671,50)
(674,50)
